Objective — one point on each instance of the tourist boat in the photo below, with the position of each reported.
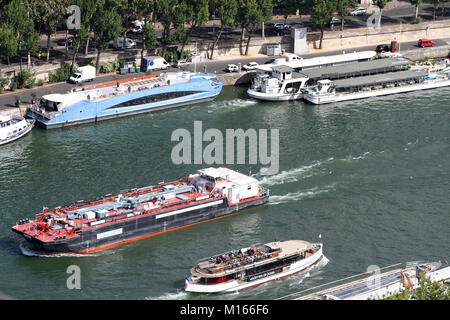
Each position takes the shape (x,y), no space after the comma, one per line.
(282,79)
(90,226)
(252,266)
(125,97)
(327,91)
(14,127)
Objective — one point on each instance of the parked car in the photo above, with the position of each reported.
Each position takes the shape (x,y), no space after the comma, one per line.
(41,54)
(425,43)
(250,66)
(121,43)
(181,63)
(358,11)
(281,26)
(382,48)
(232,68)
(137,29)
(335,20)
(62,42)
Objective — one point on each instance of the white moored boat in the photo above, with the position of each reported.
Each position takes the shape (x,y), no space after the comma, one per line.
(328,91)
(13,127)
(248,267)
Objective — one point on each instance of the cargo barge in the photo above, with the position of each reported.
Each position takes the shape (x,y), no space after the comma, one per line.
(91,226)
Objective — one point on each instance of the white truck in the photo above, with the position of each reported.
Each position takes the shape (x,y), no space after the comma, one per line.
(86,73)
(154,63)
(122,42)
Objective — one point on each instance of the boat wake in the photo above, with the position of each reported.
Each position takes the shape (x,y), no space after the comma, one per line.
(300,195)
(230,105)
(292,175)
(178,295)
(26,251)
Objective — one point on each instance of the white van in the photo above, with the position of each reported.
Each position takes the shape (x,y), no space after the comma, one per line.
(121,43)
(86,73)
(154,63)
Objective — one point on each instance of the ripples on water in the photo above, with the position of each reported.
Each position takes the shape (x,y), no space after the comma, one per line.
(371,176)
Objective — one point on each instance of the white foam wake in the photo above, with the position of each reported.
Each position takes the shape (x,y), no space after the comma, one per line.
(233,104)
(293,175)
(300,195)
(177,295)
(26,251)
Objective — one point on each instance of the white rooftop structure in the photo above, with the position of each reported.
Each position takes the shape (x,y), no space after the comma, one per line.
(228,174)
(317,62)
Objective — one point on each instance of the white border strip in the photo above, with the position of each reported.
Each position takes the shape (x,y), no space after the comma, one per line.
(205,205)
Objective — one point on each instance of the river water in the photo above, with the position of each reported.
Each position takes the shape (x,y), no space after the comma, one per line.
(372,177)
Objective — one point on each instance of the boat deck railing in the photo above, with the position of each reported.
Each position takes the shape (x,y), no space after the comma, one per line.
(39,111)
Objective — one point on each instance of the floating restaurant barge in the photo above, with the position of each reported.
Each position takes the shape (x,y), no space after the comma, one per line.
(90,226)
(125,97)
(248,267)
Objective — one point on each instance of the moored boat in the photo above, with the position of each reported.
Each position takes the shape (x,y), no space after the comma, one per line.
(327,91)
(90,226)
(125,97)
(248,267)
(14,127)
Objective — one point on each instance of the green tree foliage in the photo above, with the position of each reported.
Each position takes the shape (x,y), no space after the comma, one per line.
(321,13)
(226,11)
(416,4)
(172,16)
(8,41)
(107,26)
(46,16)
(435,4)
(197,14)
(343,9)
(251,14)
(427,290)
(16,14)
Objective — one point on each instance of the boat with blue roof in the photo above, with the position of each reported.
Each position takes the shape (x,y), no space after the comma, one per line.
(130,96)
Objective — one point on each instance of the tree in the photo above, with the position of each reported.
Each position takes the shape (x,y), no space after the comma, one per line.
(416,4)
(46,15)
(148,37)
(343,9)
(88,9)
(380,4)
(435,4)
(16,14)
(197,14)
(226,11)
(107,26)
(427,290)
(8,41)
(321,12)
(172,16)
(250,16)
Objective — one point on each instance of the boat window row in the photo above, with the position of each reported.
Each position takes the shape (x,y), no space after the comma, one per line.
(155,98)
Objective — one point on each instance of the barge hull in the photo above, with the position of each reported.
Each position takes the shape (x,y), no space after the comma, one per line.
(139,227)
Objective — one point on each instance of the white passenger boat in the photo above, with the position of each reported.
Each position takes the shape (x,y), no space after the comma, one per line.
(248,267)
(327,91)
(13,127)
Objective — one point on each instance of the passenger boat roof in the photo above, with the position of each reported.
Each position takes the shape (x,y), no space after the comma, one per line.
(382,65)
(323,60)
(290,245)
(379,79)
(108,89)
(263,253)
